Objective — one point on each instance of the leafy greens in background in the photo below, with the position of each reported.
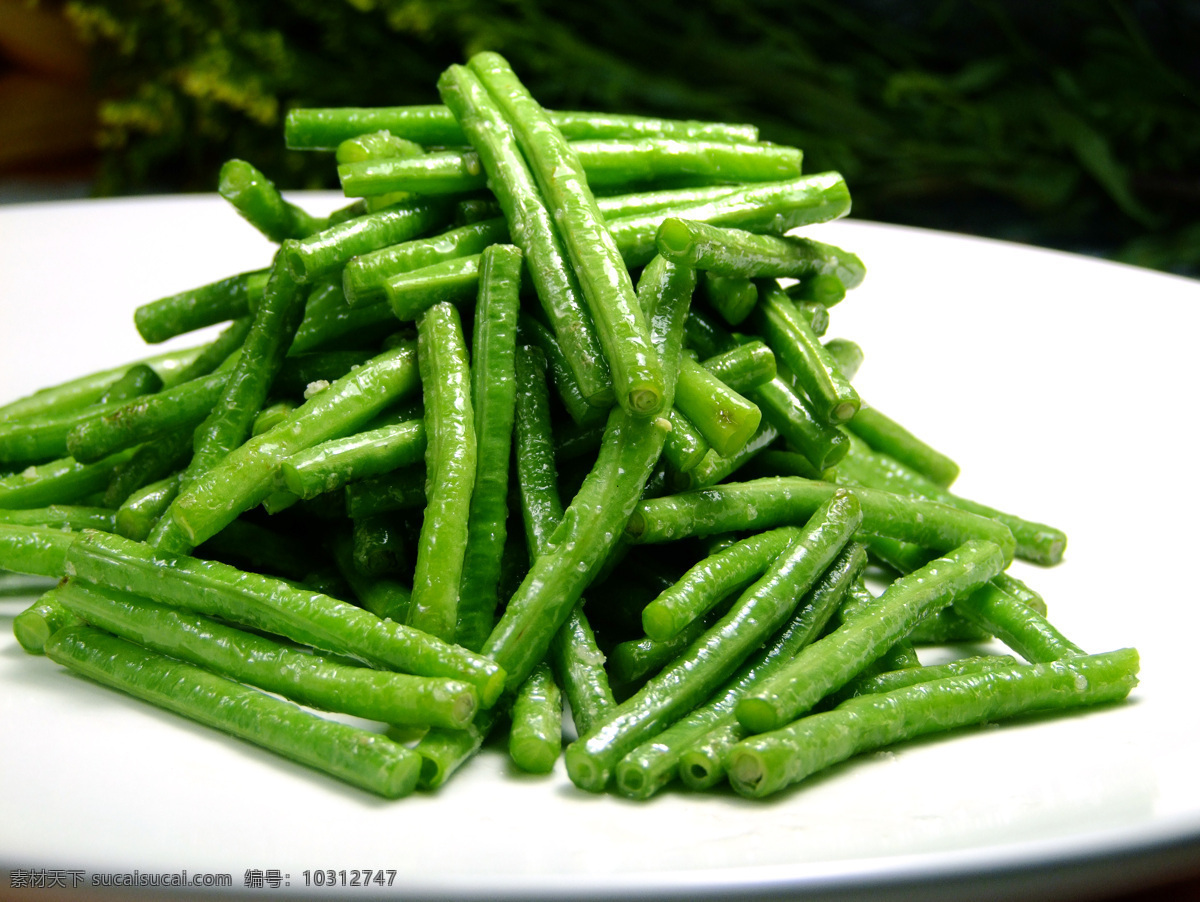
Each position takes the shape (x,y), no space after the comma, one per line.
(1070,124)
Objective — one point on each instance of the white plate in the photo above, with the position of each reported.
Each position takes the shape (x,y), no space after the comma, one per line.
(1063,386)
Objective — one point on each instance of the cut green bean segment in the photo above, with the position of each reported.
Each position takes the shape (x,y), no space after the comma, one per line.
(535,737)
(823,444)
(888,437)
(825,289)
(733,297)
(591,526)
(637,373)
(738,253)
(1035,542)
(63,516)
(745,367)
(259,202)
(781,500)
(1020,627)
(455,281)
(147,419)
(34,550)
(724,417)
(654,763)
(534,229)
(619,205)
(764,764)
(890,680)
(246,476)
(793,340)
(327,251)
(265,603)
(62,481)
(632,662)
(309,679)
(187,311)
(377,145)
(704,585)
(714,468)
(387,599)
(450,468)
(365,277)
(138,513)
(713,658)
(324,129)
(403,489)
(330,465)
(33,627)
(772,207)
(582,411)
(493,398)
(831,662)
(609,164)
(351,754)
(685,446)
(576,658)
(76,393)
(139,379)
(846,354)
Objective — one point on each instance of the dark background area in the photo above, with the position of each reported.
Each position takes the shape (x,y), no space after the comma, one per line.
(1071,124)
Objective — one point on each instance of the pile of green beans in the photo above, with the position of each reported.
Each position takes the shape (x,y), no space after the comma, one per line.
(418,477)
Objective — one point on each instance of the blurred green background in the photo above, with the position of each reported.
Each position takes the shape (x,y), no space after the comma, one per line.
(1072,124)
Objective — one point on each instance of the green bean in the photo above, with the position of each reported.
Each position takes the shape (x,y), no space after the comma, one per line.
(493,394)
(887,436)
(771,207)
(151,462)
(379,545)
(831,662)
(351,754)
(62,481)
(714,468)
(578,407)
(325,129)
(34,550)
(537,479)
(744,367)
(891,680)
(609,164)
(329,250)
(450,467)
(534,229)
(246,476)
(246,657)
(591,526)
(330,321)
(403,489)
(773,462)
(77,393)
(259,202)
(774,501)
(733,297)
(412,293)
(765,764)
(685,446)
(1035,542)
(624,335)
(365,277)
(621,205)
(846,354)
(713,658)
(825,289)
(139,379)
(332,464)
(1020,627)
(386,598)
(64,516)
(265,603)
(141,510)
(305,374)
(724,417)
(196,308)
(715,577)
(814,368)
(41,620)
(738,253)
(691,747)
(535,738)
(792,415)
